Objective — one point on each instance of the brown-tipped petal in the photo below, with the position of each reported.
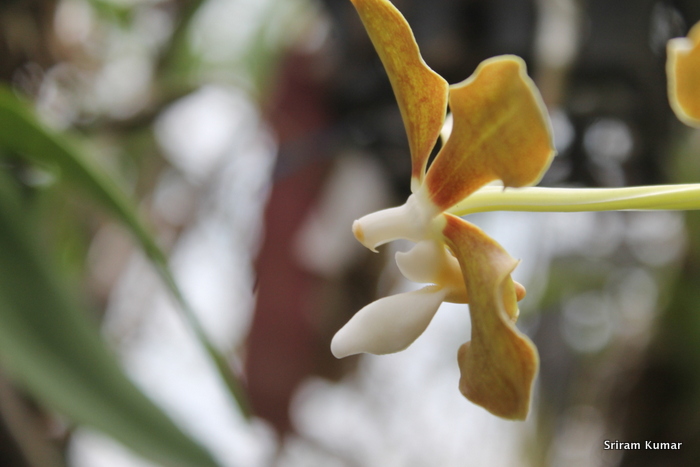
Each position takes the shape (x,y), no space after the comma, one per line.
(499,365)
(501,131)
(683,70)
(421,93)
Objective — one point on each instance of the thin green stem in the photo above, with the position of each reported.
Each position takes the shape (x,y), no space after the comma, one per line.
(232,382)
(535,199)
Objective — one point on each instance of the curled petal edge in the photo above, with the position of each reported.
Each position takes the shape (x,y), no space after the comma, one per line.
(499,365)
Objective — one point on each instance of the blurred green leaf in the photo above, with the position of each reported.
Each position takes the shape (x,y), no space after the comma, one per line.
(22,134)
(119,14)
(50,347)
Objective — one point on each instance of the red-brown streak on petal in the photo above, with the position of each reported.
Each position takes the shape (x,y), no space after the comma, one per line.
(501,131)
(421,93)
(499,365)
(683,71)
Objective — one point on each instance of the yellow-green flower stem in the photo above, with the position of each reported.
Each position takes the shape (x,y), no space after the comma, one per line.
(536,199)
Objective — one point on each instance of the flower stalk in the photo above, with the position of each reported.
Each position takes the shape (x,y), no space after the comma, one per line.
(539,199)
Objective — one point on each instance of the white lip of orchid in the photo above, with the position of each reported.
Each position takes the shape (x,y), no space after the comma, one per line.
(389,324)
(392,323)
(430,262)
(412,221)
(424,263)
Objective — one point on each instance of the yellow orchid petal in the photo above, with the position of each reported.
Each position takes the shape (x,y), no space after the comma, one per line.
(499,365)
(421,93)
(501,131)
(683,70)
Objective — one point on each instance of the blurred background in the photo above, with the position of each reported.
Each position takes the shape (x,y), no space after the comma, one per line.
(249,134)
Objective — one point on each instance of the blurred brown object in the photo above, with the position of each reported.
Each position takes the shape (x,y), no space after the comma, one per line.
(26,36)
(281,344)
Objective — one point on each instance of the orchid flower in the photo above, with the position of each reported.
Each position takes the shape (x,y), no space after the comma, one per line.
(501,132)
(683,70)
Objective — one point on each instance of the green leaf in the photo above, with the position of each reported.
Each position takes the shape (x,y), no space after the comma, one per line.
(21,133)
(51,347)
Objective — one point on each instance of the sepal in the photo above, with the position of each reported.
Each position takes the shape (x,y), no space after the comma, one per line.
(499,365)
(420,92)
